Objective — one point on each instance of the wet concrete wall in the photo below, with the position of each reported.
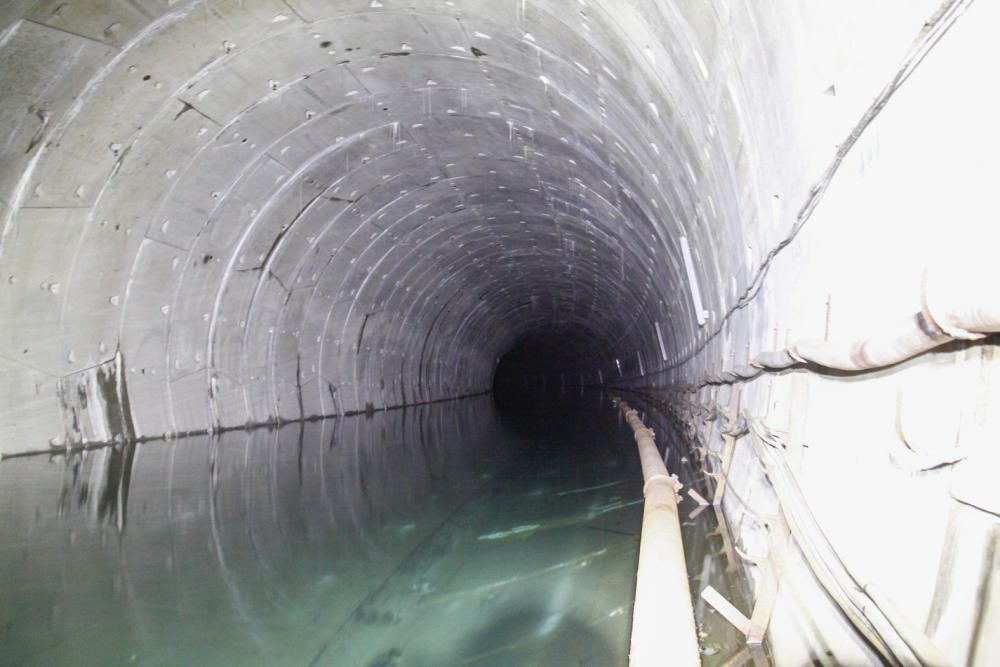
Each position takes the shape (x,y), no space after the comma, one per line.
(890,463)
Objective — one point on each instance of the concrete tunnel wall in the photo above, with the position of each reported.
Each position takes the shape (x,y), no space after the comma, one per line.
(283,210)
(220,213)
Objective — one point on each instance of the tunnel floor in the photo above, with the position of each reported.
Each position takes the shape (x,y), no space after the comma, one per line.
(449,534)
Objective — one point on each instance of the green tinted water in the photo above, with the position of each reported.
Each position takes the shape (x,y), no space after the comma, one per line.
(431,536)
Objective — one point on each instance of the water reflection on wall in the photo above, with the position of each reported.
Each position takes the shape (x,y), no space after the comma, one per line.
(257,542)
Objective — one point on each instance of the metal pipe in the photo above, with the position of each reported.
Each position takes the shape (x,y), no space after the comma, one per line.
(663,627)
(958,304)
(915,335)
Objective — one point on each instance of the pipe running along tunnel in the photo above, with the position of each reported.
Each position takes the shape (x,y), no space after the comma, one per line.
(225,214)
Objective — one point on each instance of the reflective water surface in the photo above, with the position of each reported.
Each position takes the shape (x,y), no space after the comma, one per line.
(430,536)
(435,535)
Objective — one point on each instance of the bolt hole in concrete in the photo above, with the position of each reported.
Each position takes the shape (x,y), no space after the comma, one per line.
(448,534)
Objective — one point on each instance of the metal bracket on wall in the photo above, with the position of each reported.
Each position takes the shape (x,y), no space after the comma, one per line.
(767,589)
(731,413)
(755,627)
(752,654)
(722,530)
(722,475)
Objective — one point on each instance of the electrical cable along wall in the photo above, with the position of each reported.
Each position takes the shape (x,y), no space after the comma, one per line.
(218,214)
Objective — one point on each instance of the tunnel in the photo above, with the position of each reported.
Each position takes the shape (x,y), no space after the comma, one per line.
(236,232)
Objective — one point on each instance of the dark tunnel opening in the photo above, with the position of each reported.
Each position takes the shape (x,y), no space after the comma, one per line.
(542,392)
(542,364)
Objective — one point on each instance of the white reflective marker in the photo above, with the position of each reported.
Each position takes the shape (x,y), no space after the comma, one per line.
(699,311)
(659,337)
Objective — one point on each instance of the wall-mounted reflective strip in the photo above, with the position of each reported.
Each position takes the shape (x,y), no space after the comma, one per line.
(659,337)
(638,355)
(699,311)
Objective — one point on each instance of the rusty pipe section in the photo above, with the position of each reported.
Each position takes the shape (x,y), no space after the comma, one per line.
(663,627)
(913,336)
(959,304)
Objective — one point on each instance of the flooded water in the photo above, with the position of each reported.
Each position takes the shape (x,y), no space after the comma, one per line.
(430,536)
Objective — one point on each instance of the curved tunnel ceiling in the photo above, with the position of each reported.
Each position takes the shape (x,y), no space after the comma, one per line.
(309,208)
